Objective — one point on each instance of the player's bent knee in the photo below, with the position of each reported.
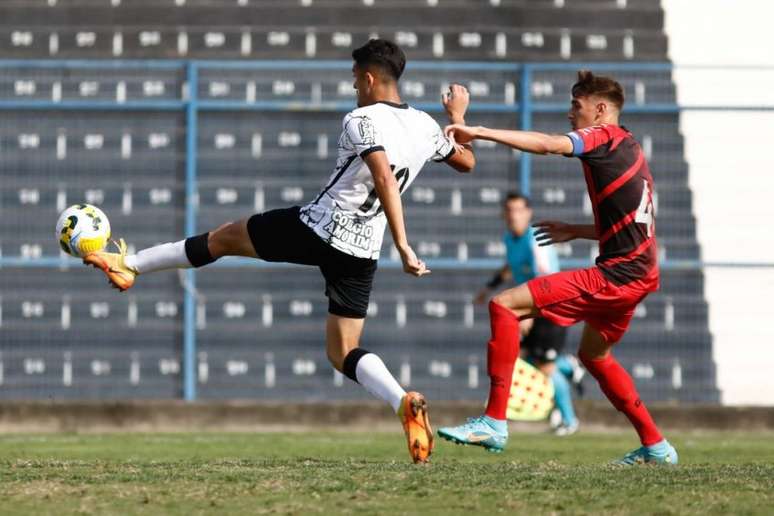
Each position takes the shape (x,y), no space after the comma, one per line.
(518,300)
(586,359)
(500,300)
(217,242)
(230,239)
(507,302)
(593,347)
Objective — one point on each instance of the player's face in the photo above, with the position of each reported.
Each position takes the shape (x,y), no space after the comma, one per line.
(517,216)
(584,112)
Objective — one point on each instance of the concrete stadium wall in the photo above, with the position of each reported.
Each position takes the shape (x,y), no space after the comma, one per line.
(731,171)
(249,416)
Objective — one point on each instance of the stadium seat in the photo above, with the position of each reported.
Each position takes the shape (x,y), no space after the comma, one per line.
(259,330)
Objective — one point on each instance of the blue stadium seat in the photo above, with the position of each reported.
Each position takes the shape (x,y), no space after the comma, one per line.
(259,330)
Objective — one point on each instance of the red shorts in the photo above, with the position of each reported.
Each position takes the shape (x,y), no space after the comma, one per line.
(568,297)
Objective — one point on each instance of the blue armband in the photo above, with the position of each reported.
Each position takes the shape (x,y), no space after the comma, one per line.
(577,143)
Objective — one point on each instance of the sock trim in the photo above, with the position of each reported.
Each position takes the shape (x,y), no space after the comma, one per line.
(349,367)
(197,251)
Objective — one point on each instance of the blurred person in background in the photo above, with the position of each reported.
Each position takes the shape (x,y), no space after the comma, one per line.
(543,340)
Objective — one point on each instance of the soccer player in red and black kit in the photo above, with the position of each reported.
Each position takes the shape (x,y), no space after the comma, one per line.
(604,296)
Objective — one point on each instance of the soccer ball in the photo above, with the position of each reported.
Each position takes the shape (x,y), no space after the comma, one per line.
(82,229)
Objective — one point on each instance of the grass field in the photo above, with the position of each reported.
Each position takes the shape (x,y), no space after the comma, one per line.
(333,473)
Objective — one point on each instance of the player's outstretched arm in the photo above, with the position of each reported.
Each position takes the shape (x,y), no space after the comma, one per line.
(552,232)
(389,196)
(525,141)
(455,103)
(502,275)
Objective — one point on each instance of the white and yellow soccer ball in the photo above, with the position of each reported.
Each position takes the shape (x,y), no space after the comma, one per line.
(82,229)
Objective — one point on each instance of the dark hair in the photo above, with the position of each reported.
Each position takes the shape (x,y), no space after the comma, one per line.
(383,54)
(514,195)
(597,85)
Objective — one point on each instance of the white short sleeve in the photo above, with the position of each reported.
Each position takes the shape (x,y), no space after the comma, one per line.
(362,134)
(442,146)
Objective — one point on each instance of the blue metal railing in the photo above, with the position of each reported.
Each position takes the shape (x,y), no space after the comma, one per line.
(191,205)
(191,105)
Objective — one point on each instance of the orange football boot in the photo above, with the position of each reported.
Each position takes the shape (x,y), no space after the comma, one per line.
(118,273)
(416,424)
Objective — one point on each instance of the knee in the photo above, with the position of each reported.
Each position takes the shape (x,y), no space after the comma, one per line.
(498,306)
(587,356)
(222,241)
(500,301)
(512,301)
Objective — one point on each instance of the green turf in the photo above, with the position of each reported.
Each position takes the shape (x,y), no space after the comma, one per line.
(334,473)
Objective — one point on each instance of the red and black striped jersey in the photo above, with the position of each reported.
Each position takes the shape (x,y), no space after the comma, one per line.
(621,191)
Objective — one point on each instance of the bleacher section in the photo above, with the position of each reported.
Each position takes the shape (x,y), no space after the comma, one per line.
(539,30)
(266,138)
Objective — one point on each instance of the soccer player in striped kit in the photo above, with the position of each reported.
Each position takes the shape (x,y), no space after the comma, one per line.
(543,341)
(604,297)
(384,145)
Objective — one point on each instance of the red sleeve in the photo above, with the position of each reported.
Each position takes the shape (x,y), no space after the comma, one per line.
(589,138)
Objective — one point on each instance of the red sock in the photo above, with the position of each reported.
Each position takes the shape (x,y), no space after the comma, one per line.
(502,352)
(619,388)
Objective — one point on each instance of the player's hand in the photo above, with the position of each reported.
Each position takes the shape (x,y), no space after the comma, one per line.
(456,102)
(553,232)
(525,326)
(461,134)
(482,296)
(411,264)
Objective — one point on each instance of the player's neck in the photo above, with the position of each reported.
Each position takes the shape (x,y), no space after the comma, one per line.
(608,120)
(387,96)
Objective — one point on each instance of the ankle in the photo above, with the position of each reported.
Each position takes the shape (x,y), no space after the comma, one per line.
(500,425)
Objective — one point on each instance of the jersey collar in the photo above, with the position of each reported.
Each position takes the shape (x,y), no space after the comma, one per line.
(393,104)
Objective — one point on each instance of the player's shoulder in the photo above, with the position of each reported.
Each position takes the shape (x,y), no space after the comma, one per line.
(608,129)
(383,111)
(513,240)
(363,110)
(424,116)
(359,112)
(373,113)
(423,121)
(589,138)
(614,131)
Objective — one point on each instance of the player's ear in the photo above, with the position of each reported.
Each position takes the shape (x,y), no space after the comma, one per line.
(602,108)
(370,79)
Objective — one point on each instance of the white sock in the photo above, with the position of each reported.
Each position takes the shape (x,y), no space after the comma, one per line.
(374,376)
(160,257)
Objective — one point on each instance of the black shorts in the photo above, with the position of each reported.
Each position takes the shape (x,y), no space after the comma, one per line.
(545,342)
(280,236)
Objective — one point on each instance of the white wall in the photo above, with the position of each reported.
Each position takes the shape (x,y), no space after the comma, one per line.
(731,172)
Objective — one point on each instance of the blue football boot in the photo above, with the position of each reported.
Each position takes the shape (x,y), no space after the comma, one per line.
(484,431)
(661,453)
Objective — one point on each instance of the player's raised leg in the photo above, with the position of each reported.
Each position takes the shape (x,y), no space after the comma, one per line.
(619,388)
(491,429)
(367,369)
(230,239)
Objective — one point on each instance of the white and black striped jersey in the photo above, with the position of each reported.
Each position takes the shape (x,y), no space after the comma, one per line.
(347,213)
